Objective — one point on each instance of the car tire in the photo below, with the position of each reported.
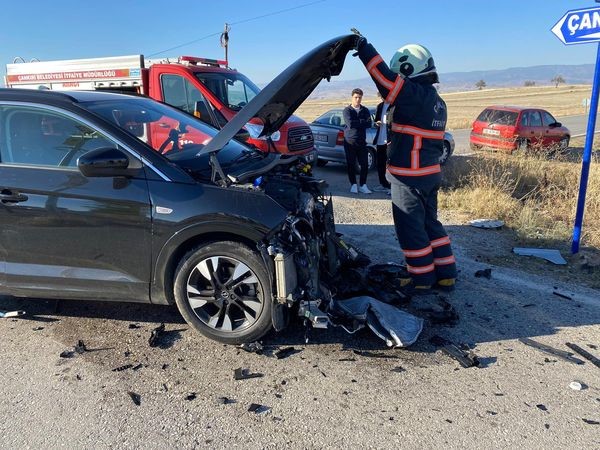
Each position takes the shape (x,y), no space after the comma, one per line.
(563,144)
(446,153)
(213,304)
(371,160)
(322,162)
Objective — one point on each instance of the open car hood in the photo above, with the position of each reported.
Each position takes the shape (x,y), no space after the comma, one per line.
(281,97)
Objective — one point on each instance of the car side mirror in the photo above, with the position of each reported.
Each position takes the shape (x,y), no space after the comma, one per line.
(107,162)
(556,124)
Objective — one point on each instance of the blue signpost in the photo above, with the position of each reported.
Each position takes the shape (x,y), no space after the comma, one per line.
(580,26)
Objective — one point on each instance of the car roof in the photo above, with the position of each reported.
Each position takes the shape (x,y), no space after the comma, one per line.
(57,96)
(512,108)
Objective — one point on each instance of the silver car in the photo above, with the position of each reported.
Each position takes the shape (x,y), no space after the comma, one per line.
(328,133)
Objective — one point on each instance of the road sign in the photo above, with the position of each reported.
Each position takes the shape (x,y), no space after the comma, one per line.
(579,26)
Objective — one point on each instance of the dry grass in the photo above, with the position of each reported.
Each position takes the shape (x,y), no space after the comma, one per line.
(535,196)
(463,107)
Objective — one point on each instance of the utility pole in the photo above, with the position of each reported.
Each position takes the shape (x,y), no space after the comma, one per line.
(225,41)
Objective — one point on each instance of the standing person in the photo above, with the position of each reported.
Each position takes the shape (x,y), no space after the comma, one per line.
(357,119)
(417,132)
(381,143)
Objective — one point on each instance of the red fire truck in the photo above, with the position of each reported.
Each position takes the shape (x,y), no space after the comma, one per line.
(204,87)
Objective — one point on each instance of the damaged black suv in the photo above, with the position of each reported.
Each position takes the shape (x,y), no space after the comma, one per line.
(112,197)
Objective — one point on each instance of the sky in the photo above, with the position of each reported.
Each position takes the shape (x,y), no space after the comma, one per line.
(268,35)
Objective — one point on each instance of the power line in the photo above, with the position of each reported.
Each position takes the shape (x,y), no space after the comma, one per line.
(281,11)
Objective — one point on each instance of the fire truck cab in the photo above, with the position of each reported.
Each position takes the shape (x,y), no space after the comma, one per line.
(206,88)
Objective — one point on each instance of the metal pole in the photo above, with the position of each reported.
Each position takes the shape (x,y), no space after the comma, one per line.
(587,157)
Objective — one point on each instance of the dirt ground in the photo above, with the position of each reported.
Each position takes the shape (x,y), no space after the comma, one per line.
(335,391)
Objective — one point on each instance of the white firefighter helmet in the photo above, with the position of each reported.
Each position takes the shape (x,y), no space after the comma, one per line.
(414,61)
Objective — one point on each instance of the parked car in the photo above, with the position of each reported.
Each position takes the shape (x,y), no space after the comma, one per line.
(328,133)
(513,128)
(93,207)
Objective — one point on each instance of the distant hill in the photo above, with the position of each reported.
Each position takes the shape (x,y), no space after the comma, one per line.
(465,81)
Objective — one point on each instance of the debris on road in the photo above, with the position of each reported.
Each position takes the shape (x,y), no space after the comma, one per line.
(591,422)
(542,407)
(484,273)
(486,223)
(79,348)
(136,398)
(567,356)
(577,386)
(398,369)
(155,335)
(122,368)
(244,374)
(259,409)
(438,311)
(560,294)
(8,314)
(466,359)
(375,355)
(551,255)
(134,326)
(395,326)
(285,352)
(226,401)
(252,347)
(191,396)
(587,355)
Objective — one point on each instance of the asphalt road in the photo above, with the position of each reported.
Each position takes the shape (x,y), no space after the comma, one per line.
(576,124)
(333,392)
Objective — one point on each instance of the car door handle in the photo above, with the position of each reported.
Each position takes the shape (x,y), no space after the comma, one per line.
(12,197)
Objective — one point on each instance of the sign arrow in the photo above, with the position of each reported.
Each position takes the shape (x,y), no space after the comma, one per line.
(579,26)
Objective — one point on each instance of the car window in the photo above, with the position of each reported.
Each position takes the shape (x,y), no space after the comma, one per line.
(36,136)
(337,119)
(325,118)
(548,118)
(535,120)
(525,118)
(498,116)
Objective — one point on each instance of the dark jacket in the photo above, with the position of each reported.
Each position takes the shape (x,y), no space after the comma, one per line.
(356,124)
(377,118)
(419,120)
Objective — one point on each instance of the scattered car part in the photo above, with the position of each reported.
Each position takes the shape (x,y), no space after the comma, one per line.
(191,396)
(80,347)
(310,311)
(226,401)
(486,223)
(562,295)
(8,314)
(591,422)
(258,409)
(551,255)
(395,326)
(252,347)
(375,355)
(577,386)
(398,369)
(244,374)
(466,359)
(541,407)
(122,368)
(155,335)
(484,273)
(587,355)
(136,398)
(567,356)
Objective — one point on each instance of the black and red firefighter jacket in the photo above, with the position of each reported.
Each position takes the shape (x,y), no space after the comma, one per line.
(417,132)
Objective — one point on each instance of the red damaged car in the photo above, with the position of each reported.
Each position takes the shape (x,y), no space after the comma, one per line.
(511,128)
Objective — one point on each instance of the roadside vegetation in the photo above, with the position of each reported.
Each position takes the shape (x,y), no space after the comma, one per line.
(535,194)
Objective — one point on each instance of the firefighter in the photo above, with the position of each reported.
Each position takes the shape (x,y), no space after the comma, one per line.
(413,170)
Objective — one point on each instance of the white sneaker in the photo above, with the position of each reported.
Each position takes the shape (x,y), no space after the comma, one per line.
(364,189)
(354,189)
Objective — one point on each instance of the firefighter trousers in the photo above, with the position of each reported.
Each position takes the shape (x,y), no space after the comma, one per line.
(422,237)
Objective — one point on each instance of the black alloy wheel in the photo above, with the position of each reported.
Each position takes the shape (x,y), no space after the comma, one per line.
(222,289)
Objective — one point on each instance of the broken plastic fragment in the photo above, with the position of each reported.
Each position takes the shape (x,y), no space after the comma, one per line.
(252,347)
(577,386)
(155,335)
(191,396)
(258,409)
(466,359)
(485,273)
(122,368)
(136,398)
(486,223)
(225,401)
(244,374)
(551,255)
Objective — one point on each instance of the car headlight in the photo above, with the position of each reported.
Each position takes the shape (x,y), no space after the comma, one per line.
(254,130)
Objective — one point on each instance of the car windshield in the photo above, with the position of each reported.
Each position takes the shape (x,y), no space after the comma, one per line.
(165,129)
(498,116)
(232,89)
